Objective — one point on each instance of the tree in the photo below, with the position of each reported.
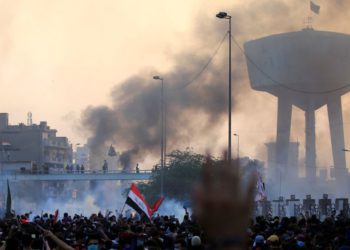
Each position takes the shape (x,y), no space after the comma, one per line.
(181,172)
(184,170)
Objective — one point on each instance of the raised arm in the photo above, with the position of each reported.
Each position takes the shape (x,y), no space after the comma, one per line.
(222,207)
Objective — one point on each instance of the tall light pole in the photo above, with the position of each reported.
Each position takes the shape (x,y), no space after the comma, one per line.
(237,135)
(223,15)
(162,139)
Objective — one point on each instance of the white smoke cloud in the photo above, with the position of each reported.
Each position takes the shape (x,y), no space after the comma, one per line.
(172,207)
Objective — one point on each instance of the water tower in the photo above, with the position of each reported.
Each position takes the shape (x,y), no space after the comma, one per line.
(307,69)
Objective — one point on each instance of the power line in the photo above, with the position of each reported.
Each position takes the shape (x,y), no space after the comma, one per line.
(280,83)
(204,67)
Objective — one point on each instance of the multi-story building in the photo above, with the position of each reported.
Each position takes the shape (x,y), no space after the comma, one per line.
(82,155)
(32,142)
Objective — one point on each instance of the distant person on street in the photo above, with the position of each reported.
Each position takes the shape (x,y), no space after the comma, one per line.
(105,166)
(82,168)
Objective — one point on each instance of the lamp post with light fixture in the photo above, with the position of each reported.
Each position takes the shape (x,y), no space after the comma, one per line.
(224,15)
(163,136)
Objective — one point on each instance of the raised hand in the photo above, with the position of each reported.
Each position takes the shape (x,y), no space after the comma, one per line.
(221,206)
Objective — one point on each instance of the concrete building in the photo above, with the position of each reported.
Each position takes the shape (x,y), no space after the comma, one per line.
(32,142)
(8,167)
(82,155)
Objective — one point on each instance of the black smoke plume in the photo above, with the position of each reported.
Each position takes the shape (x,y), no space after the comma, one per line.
(197,113)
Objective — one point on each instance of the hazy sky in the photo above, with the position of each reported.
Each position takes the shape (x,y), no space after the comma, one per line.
(58,57)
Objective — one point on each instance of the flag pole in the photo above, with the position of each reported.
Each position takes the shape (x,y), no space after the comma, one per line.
(8,201)
(121,213)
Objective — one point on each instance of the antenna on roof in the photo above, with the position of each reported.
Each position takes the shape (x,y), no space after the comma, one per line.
(308,23)
(29,119)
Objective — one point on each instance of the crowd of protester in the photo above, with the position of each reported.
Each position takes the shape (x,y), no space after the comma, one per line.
(99,232)
(223,212)
(166,232)
(300,233)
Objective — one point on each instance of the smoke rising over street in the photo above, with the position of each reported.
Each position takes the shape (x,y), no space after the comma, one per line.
(197,114)
(133,121)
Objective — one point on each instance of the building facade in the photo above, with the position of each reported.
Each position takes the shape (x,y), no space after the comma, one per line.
(82,156)
(33,142)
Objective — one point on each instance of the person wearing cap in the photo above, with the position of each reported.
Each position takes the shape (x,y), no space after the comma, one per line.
(259,243)
(196,243)
(273,242)
(93,243)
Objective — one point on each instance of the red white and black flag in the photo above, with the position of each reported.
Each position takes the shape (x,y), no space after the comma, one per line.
(138,202)
(157,204)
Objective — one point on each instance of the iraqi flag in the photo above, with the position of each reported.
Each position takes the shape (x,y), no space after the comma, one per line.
(138,202)
(157,204)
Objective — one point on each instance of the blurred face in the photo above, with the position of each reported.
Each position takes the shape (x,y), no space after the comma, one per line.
(92,245)
(177,246)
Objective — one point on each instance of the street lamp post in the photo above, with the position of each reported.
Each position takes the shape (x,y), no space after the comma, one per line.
(223,15)
(162,139)
(237,135)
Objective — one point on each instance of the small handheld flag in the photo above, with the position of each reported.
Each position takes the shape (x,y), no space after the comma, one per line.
(260,186)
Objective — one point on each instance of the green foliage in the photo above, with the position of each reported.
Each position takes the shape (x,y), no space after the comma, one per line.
(182,171)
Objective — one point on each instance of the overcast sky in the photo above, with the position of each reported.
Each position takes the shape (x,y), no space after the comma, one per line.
(58,57)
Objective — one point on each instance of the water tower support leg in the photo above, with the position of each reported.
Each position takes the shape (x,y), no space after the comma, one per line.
(335,117)
(283,132)
(310,144)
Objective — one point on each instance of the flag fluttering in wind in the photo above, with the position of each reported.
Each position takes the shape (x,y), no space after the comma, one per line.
(157,204)
(260,186)
(111,151)
(314,7)
(24,220)
(8,201)
(55,217)
(138,202)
